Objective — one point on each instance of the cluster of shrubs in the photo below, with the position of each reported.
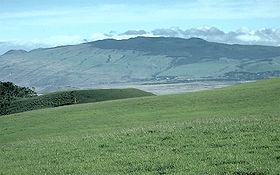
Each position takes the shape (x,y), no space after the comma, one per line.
(27,104)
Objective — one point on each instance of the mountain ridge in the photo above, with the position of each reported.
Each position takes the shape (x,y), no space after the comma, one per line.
(138,60)
(141,37)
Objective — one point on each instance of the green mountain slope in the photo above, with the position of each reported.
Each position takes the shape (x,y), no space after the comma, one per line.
(234,130)
(70,97)
(137,60)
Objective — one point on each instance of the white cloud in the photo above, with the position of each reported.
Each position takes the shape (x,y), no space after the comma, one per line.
(243,35)
(248,38)
(134,32)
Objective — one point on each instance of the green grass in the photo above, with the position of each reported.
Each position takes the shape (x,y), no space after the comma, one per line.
(71,97)
(234,130)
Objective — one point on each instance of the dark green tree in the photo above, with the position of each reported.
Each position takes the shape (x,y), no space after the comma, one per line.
(9,92)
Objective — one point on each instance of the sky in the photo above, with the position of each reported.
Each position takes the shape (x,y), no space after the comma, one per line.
(59,22)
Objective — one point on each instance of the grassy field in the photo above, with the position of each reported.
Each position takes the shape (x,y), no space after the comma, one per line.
(71,97)
(234,130)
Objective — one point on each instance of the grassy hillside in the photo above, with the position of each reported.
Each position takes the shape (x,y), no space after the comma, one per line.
(71,97)
(233,130)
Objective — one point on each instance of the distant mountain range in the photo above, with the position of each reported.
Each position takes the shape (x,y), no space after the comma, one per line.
(137,60)
(6,46)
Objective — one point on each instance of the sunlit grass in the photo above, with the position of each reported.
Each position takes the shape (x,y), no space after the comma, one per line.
(234,130)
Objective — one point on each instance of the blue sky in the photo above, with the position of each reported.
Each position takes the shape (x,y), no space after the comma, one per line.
(53,20)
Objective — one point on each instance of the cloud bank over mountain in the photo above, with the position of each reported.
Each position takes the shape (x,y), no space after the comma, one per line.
(266,36)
